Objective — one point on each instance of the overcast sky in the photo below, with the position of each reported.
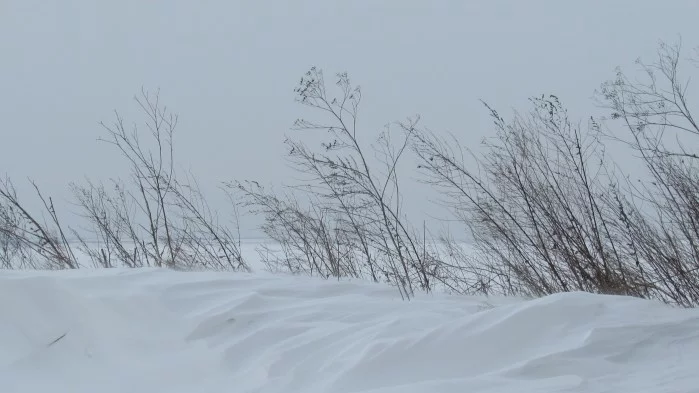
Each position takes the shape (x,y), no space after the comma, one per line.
(229,68)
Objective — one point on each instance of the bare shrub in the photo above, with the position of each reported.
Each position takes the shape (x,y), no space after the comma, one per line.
(151,174)
(536,204)
(27,241)
(549,212)
(154,219)
(13,253)
(205,241)
(308,239)
(116,240)
(351,222)
(656,111)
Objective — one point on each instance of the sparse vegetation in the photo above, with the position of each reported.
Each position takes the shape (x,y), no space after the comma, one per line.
(547,208)
(27,240)
(151,219)
(349,221)
(539,203)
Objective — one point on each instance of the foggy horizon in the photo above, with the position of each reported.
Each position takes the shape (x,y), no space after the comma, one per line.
(228,70)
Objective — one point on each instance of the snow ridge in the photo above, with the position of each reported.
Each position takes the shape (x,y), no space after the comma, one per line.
(153,330)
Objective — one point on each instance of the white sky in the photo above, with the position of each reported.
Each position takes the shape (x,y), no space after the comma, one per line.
(229,68)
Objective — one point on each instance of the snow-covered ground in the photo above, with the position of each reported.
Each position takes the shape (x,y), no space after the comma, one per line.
(155,330)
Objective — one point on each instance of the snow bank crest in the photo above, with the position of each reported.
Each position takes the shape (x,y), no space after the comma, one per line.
(153,330)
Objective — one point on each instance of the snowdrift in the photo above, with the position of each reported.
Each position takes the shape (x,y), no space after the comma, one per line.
(164,331)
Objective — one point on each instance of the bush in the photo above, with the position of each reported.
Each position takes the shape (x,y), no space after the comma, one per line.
(549,212)
(537,204)
(349,220)
(28,242)
(547,208)
(156,218)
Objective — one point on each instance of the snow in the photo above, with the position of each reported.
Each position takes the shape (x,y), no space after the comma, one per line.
(151,330)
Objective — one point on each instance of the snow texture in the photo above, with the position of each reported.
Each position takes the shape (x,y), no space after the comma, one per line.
(151,330)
